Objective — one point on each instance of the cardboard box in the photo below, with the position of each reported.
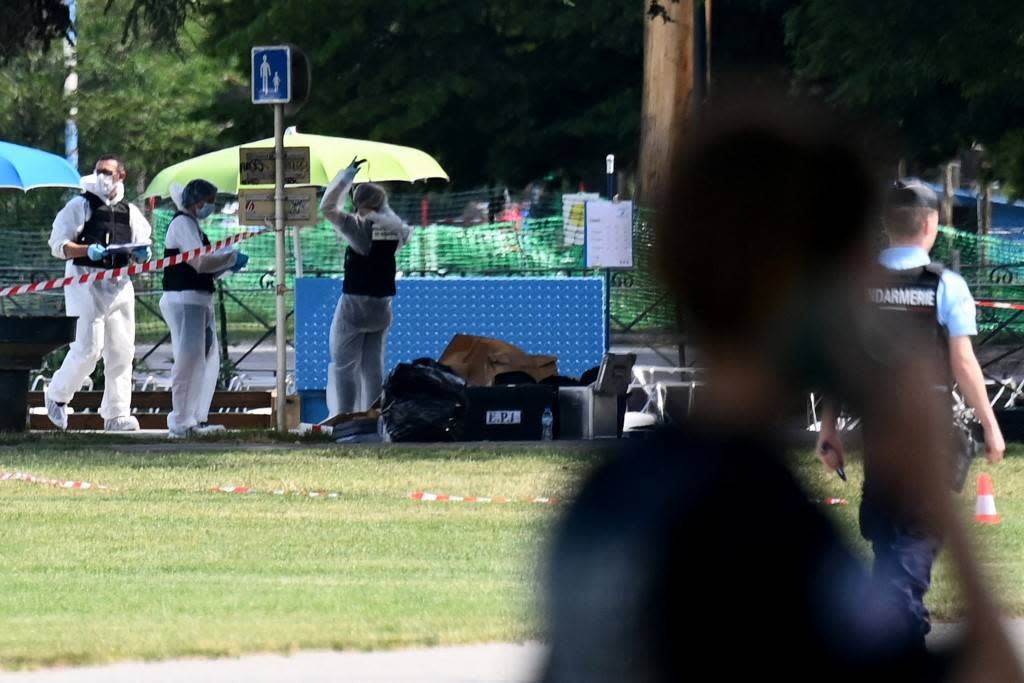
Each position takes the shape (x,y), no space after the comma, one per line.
(479,359)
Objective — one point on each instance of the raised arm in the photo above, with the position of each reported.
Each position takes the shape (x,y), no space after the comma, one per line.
(334,195)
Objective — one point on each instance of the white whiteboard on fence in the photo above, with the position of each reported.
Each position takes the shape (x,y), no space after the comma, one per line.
(609,234)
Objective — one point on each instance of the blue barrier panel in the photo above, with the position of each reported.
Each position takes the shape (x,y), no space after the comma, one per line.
(563,317)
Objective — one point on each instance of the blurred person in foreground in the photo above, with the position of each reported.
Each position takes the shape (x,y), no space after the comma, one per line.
(921,309)
(698,549)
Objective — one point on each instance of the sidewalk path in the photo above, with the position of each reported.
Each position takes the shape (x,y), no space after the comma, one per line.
(494,663)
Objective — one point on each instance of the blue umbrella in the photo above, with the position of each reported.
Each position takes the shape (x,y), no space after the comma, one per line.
(25,168)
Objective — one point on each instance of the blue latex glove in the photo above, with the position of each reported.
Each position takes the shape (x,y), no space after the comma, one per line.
(96,252)
(142,254)
(240,262)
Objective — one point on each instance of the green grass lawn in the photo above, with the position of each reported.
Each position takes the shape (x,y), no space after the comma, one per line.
(158,566)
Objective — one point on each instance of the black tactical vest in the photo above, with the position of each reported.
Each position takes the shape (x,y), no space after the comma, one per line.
(373,274)
(106,225)
(182,277)
(905,307)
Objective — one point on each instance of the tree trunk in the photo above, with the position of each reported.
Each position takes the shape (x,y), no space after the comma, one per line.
(984,223)
(667,94)
(949,187)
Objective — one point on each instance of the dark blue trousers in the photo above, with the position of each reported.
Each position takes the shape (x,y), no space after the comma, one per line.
(904,554)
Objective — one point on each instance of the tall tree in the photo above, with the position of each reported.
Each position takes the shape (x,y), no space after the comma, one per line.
(31,26)
(142,100)
(750,35)
(945,74)
(139,101)
(496,89)
(668,90)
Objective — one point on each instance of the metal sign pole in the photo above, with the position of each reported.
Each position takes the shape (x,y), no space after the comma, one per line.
(609,171)
(609,176)
(297,250)
(282,348)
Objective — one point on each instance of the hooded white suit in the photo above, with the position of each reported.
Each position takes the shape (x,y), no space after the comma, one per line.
(360,326)
(105,311)
(189,315)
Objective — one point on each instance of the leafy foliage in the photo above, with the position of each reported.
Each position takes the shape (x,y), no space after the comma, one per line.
(158,20)
(31,26)
(946,74)
(496,90)
(138,101)
(503,91)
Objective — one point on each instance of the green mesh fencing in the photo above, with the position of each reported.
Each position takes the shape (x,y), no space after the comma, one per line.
(459,239)
(526,246)
(993,267)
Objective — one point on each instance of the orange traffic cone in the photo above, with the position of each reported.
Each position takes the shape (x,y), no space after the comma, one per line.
(985,508)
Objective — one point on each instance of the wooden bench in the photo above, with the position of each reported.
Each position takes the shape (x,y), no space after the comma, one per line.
(151,409)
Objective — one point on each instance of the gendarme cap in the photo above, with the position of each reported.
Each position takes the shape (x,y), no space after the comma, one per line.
(911,194)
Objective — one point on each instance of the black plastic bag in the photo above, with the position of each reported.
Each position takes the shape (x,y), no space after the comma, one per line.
(423,401)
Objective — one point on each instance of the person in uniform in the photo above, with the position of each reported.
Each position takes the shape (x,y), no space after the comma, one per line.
(672,546)
(88,234)
(373,233)
(187,307)
(926,312)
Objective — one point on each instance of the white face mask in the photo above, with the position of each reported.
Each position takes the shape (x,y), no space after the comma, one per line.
(105,184)
(205,212)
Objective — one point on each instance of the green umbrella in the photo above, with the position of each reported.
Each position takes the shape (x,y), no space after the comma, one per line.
(327,156)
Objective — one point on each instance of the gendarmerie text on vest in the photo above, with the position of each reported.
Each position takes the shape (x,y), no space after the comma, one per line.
(902,296)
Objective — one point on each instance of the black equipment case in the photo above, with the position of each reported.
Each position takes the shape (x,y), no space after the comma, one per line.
(509,413)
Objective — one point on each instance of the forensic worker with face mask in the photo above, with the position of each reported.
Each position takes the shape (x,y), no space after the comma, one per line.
(187,307)
(373,234)
(96,231)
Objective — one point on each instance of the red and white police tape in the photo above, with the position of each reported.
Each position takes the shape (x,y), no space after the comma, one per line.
(133,269)
(417,495)
(56,483)
(442,498)
(1001,304)
(275,492)
(312,428)
(78,484)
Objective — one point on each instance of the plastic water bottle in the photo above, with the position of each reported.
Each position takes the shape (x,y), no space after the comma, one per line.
(547,423)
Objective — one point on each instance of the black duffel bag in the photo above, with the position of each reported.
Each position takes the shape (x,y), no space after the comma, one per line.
(423,401)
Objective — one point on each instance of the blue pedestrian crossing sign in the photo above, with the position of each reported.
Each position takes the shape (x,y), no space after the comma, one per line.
(271,74)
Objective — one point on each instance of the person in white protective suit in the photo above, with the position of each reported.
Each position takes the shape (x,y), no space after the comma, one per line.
(88,233)
(373,234)
(187,307)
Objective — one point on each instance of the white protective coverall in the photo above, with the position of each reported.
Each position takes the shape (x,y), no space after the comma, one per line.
(190,316)
(360,326)
(105,311)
